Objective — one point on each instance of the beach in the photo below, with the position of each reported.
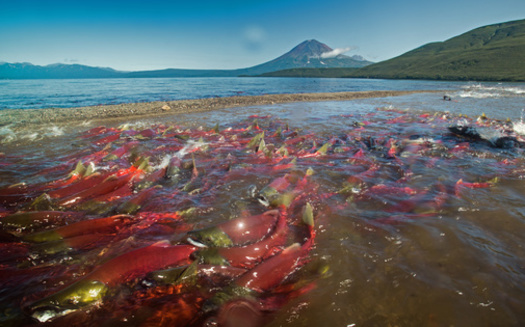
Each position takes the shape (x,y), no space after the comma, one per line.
(28,117)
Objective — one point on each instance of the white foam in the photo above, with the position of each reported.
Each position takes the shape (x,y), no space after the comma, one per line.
(55,131)
(6,134)
(481,91)
(490,134)
(189,147)
(31,137)
(519,127)
(164,162)
(477,95)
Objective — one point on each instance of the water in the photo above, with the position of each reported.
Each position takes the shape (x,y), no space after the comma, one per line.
(36,94)
(407,241)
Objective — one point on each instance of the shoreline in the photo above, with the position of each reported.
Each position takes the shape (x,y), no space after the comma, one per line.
(25,117)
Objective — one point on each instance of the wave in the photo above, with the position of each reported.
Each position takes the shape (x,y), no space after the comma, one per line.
(11,133)
(519,127)
(481,91)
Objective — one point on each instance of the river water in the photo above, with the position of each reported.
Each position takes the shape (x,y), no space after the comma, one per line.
(414,225)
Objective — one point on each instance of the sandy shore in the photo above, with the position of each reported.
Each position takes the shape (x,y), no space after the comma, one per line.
(25,117)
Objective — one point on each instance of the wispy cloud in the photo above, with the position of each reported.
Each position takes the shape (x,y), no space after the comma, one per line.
(336,52)
(254,37)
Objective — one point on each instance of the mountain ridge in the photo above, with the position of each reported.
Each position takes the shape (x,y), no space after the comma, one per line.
(306,54)
(489,53)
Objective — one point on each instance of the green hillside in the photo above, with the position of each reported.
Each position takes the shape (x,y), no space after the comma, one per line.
(489,53)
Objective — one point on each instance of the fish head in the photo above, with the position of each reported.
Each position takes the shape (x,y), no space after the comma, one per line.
(210,256)
(270,197)
(211,236)
(44,236)
(166,276)
(173,172)
(68,300)
(42,203)
(176,276)
(228,294)
(238,312)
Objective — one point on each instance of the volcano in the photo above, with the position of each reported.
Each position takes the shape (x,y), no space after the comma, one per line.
(308,54)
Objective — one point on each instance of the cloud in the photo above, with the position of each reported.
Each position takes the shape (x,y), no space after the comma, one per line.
(254,37)
(336,52)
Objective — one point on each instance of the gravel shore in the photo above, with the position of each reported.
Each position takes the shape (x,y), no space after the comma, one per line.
(27,117)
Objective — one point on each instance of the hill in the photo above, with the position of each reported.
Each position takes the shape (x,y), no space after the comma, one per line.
(30,71)
(308,54)
(490,53)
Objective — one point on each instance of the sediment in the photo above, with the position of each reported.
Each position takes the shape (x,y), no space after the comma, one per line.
(25,117)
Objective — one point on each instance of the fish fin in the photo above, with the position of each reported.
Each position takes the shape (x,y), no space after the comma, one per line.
(124,127)
(283,151)
(279,132)
(308,215)
(162,244)
(195,172)
(142,163)
(79,170)
(41,203)
(322,150)
(90,169)
(255,140)
(189,275)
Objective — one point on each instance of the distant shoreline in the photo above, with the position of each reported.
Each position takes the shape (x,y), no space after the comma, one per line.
(102,113)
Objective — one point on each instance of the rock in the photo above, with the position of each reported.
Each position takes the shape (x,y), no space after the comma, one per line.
(465,131)
(507,142)
(165,107)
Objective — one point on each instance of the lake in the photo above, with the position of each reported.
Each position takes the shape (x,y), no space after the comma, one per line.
(35,94)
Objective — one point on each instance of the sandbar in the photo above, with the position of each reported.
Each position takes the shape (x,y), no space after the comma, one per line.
(27,117)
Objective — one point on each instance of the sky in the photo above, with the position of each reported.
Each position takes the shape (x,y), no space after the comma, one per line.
(136,35)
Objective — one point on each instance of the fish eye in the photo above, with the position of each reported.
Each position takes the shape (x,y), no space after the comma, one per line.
(211,322)
(263,200)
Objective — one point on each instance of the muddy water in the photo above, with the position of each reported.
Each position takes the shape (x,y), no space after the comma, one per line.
(415,225)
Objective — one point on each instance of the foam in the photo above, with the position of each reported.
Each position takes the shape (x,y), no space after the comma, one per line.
(480,91)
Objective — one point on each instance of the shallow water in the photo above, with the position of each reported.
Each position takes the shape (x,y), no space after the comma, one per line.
(417,226)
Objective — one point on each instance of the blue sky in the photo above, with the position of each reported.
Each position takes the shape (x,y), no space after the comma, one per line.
(155,34)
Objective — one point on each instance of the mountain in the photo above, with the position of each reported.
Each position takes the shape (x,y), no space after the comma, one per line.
(309,54)
(30,71)
(494,52)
